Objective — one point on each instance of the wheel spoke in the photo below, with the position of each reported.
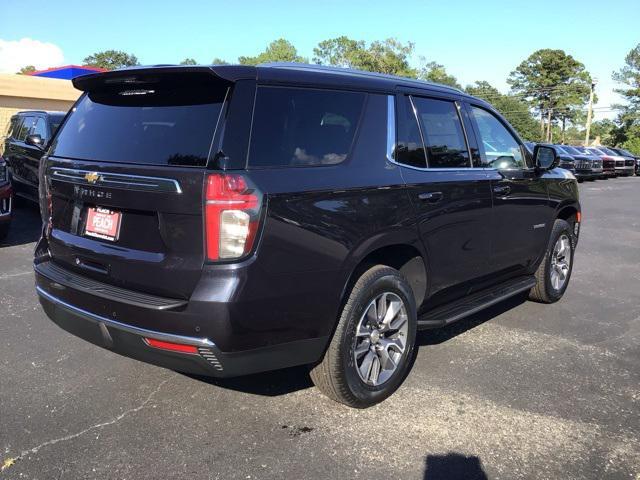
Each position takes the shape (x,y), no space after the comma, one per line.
(398,323)
(396,344)
(365,368)
(362,348)
(382,308)
(375,370)
(391,313)
(386,361)
(372,314)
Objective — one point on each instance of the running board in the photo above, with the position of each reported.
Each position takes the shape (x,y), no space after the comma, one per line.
(444,315)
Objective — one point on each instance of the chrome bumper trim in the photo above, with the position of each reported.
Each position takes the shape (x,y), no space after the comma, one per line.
(143,332)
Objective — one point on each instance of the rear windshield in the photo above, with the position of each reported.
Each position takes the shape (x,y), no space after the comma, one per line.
(148,126)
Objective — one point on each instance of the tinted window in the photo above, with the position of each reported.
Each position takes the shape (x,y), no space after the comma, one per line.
(443,134)
(54,122)
(161,126)
(39,128)
(25,124)
(499,147)
(409,146)
(303,127)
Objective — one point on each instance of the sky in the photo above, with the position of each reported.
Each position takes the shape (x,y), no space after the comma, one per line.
(474,40)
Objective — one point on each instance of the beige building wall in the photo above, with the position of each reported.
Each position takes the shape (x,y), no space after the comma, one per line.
(24,92)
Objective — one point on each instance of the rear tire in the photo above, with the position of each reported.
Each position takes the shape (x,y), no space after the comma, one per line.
(373,347)
(4,230)
(554,272)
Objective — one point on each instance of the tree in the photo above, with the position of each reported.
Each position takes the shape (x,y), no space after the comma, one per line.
(627,132)
(188,61)
(111,60)
(553,82)
(219,61)
(388,56)
(435,72)
(605,130)
(279,50)
(515,110)
(27,70)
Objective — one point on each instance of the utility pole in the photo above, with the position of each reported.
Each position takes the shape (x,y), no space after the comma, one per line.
(590,111)
(549,112)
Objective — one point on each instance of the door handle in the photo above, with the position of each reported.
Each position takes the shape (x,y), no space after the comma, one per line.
(431,197)
(502,190)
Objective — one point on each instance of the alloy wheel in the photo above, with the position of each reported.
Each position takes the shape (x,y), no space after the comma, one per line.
(560,262)
(381,339)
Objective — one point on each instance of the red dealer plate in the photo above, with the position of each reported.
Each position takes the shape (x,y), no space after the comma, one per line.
(103,223)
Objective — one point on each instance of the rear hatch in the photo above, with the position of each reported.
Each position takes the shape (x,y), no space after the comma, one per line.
(125,178)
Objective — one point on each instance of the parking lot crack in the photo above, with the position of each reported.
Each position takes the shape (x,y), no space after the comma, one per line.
(9,462)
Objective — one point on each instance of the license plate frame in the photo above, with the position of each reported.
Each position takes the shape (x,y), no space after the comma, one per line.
(103,223)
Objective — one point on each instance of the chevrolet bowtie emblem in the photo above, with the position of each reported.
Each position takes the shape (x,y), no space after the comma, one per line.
(92,177)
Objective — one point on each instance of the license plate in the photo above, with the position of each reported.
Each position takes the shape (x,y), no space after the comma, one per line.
(103,223)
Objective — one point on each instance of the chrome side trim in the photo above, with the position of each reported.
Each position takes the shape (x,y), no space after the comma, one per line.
(9,203)
(391,127)
(143,332)
(115,180)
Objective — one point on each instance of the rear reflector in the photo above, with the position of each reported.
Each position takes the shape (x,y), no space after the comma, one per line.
(173,347)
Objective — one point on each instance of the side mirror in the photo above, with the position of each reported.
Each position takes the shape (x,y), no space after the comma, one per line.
(545,157)
(35,140)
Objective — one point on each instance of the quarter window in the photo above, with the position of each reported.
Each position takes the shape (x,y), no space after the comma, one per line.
(443,134)
(409,147)
(300,127)
(499,149)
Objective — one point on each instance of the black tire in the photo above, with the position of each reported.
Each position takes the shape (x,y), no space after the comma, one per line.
(545,291)
(4,230)
(337,374)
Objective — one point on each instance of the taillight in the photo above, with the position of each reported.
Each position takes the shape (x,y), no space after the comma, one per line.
(232,216)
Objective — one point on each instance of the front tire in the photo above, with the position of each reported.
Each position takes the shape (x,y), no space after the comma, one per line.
(554,272)
(373,347)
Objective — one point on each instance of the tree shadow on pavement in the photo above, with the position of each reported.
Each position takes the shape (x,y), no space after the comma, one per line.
(453,466)
(441,335)
(26,225)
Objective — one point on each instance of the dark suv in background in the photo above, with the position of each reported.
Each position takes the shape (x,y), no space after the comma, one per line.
(6,199)
(28,134)
(232,219)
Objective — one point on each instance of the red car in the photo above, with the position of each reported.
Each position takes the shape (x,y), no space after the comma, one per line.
(5,200)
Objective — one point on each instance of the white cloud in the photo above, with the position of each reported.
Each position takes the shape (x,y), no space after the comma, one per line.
(15,54)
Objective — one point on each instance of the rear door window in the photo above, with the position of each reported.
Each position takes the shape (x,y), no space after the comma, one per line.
(160,126)
(39,128)
(443,133)
(303,127)
(24,125)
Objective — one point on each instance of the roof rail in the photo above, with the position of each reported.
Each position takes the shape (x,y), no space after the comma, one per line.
(355,72)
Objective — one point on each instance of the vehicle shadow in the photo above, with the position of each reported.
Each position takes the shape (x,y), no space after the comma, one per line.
(269,384)
(453,466)
(440,335)
(289,380)
(26,226)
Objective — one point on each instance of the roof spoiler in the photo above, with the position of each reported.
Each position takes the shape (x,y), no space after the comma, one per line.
(166,75)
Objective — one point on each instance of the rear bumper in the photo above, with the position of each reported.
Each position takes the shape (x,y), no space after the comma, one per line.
(126,339)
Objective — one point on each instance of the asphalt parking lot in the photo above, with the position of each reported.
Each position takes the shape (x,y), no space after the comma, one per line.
(520,391)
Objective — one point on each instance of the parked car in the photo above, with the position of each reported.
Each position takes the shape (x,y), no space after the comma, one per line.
(609,163)
(597,166)
(623,166)
(566,160)
(28,134)
(588,167)
(5,200)
(629,158)
(228,220)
